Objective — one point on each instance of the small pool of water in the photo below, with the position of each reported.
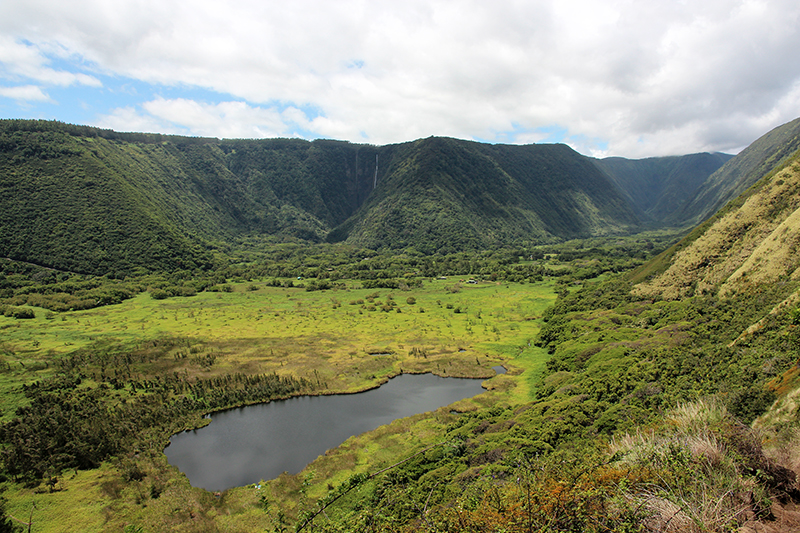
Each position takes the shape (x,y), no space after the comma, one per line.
(248,444)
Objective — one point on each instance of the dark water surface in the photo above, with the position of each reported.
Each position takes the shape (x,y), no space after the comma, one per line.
(248,444)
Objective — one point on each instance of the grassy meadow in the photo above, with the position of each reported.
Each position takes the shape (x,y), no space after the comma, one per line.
(346,339)
(342,340)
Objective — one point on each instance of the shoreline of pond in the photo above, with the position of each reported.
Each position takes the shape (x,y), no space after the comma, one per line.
(271,442)
(205,418)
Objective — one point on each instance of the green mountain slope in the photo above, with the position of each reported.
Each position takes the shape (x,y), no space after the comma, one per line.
(89,200)
(669,373)
(97,201)
(661,186)
(441,194)
(93,205)
(752,240)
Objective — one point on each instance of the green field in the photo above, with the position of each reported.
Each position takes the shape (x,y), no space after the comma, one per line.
(343,340)
(452,328)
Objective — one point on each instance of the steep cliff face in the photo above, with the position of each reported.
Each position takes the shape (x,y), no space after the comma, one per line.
(446,194)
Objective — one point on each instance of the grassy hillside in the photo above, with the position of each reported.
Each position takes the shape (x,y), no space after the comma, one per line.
(90,204)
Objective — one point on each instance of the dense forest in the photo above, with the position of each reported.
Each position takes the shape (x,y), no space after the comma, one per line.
(96,201)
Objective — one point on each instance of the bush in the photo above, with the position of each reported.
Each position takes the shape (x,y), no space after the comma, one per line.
(159,294)
(19,312)
(186,290)
(748,404)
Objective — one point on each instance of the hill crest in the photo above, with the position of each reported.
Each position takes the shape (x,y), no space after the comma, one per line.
(98,201)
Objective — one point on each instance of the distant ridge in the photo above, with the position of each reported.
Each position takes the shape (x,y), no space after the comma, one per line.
(661,187)
(767,152)
(97,201)
(752,241)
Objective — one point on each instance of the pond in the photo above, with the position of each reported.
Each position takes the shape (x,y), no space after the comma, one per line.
(248,444)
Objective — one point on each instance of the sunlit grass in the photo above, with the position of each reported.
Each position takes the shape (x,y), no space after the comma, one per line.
(76,504)
(345,339)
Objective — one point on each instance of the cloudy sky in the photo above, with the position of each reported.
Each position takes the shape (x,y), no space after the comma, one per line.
(635,78)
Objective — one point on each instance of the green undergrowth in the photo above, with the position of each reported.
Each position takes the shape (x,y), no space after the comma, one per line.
(609,403)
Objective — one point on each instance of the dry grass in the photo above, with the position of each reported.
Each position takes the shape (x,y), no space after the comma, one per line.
(757,243)
(701,465)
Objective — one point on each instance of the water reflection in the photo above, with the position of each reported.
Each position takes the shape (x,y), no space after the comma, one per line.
(245,445)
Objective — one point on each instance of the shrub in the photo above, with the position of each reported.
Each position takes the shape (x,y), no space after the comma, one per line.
(748,404)
(19,312)
(185,290)
(159,294)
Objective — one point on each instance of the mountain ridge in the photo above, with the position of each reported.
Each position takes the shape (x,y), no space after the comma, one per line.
(450,194)
(733,178)
(131,202)
(753,240)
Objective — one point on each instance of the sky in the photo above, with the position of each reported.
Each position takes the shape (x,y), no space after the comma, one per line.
(632,78)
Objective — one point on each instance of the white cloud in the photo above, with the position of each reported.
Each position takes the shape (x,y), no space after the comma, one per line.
(189,117)
(26,93)
(24,61)
(129,119)
(638,78)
